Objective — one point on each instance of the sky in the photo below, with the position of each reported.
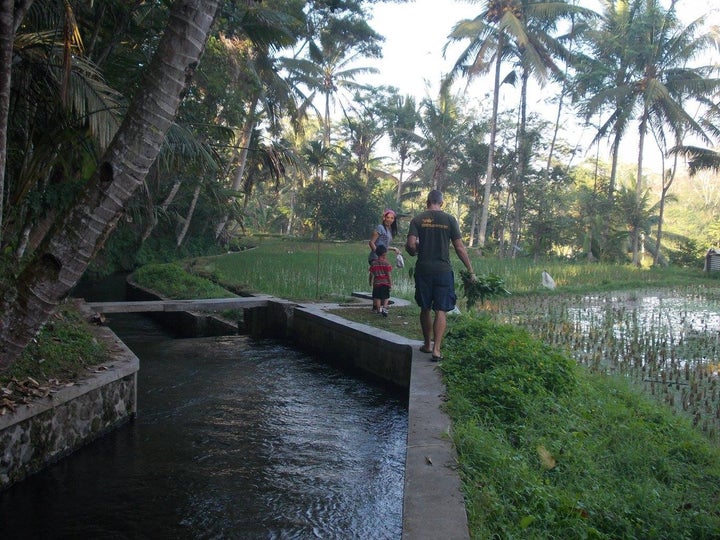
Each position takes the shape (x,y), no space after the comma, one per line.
(415,33)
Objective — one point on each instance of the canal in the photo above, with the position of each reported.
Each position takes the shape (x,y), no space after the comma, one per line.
(234,438)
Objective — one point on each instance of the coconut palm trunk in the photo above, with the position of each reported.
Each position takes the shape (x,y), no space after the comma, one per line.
(639,183)
(186,222)
(241,155)
(64,255)
(485,210)
(7,33)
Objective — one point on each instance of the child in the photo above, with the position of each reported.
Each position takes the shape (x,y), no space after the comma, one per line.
(380,281)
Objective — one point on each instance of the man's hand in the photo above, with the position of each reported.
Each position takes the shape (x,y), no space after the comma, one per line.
(411,245)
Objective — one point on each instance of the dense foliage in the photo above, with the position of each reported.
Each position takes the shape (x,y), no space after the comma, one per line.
(259,144)
(275,131)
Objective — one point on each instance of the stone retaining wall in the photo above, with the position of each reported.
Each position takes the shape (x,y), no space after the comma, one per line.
(41,432)
(348,344)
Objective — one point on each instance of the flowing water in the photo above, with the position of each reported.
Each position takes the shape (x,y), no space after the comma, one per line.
(234,438)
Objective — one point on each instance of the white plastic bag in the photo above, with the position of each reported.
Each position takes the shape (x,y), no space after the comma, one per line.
(399,261)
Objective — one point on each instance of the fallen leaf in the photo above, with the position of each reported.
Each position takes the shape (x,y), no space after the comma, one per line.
(546,458)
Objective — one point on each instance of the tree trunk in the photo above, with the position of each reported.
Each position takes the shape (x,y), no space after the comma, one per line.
(400,180)
(188,218)
(522,161)
(164,206)
(64,255)
(491,146)
(241,155)
(7,37)
(666,183)
(639,183)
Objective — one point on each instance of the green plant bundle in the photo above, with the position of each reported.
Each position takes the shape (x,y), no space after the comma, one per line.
(482,287)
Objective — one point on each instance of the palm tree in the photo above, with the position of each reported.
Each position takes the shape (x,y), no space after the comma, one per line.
(63,115)
(327,71)
(262,32)
(443,128)
(402,121)
(505,29)
(362,131)
(643,73)
(27,302)
(470,169)
(638,215)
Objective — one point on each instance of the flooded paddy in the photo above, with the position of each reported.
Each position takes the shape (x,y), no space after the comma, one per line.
(667,341)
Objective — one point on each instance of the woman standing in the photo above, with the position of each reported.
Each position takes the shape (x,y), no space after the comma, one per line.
(383,234)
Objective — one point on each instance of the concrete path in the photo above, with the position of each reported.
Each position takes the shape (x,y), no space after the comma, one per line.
(433,508)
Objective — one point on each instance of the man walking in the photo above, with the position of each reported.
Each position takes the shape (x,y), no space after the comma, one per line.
(429,237)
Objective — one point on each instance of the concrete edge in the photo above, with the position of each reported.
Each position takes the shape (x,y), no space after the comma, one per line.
(433,501)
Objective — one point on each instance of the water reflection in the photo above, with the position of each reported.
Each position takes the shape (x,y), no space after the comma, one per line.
(234,439)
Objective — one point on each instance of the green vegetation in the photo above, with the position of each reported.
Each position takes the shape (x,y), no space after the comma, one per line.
(330,271)
(480,288)
(549,450)
(62,351)
(548,446)
(176,283)
(318,271)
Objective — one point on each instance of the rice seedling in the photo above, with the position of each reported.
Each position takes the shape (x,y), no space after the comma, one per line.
(667,341)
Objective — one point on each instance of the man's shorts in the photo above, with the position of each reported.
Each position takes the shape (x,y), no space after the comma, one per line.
(435,291)
(381,292)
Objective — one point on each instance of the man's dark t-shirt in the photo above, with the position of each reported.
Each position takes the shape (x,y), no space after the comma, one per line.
(435,231)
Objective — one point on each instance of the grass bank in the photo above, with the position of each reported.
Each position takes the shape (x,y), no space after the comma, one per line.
(62,353)
(548,449)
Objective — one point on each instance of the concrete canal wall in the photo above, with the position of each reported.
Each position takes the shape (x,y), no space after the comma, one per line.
(39,433)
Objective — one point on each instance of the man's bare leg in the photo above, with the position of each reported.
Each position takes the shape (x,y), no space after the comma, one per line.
(426,324)
(439,326)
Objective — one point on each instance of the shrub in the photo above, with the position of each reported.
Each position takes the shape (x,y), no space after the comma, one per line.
(503,369)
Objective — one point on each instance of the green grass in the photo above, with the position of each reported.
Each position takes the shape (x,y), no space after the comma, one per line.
(549,450)
(64,350)
(176,283)
(331,271)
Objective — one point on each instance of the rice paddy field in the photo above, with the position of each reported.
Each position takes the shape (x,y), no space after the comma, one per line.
(665,340)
